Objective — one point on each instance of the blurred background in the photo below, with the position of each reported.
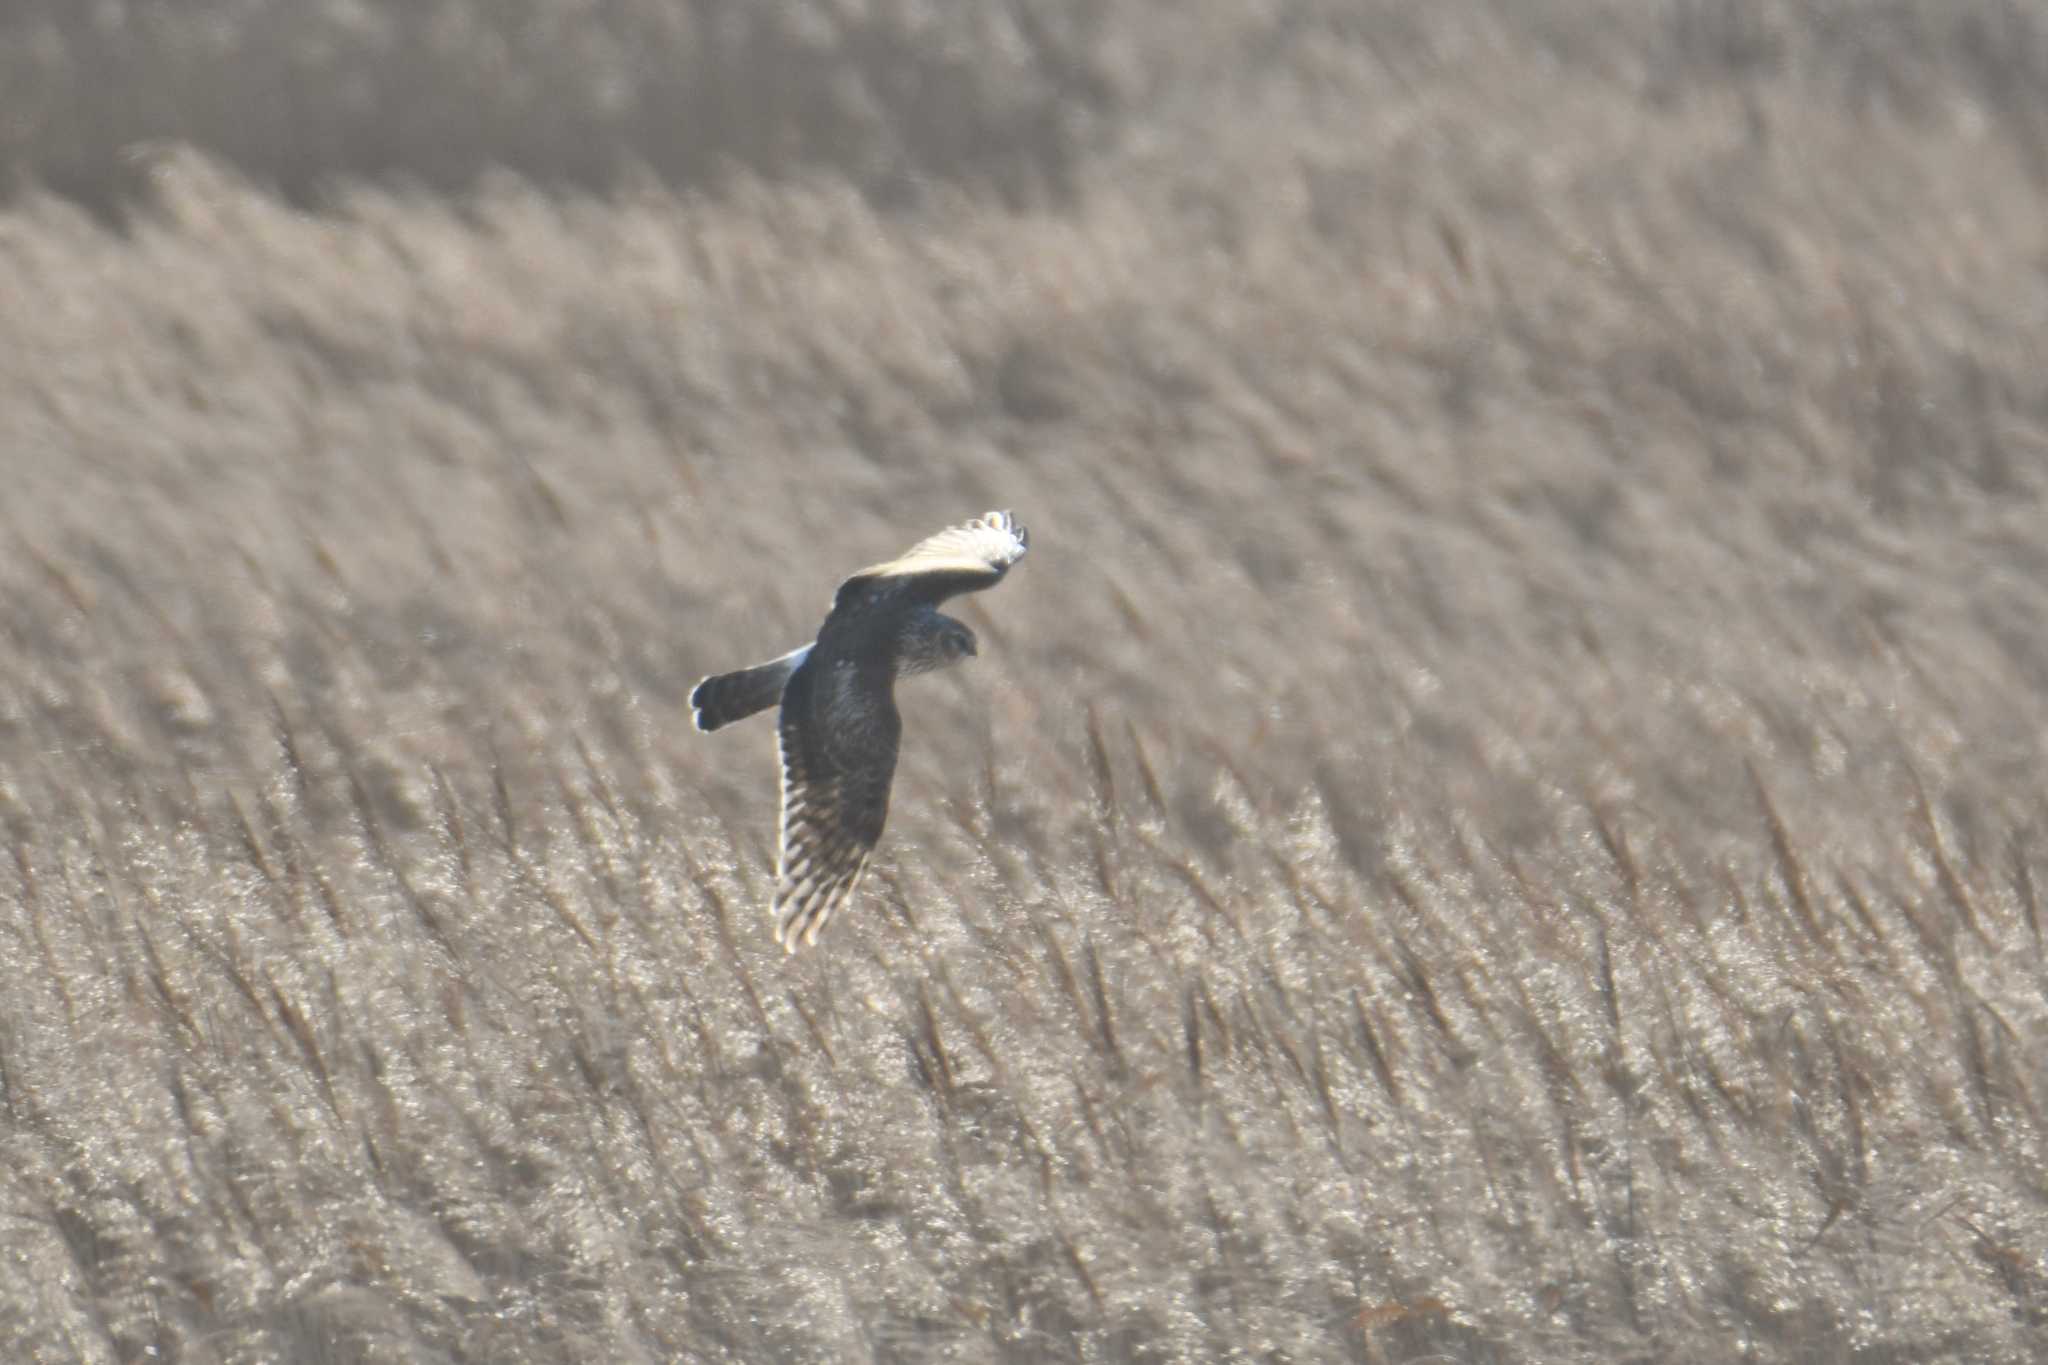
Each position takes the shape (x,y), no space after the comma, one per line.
(1500,820)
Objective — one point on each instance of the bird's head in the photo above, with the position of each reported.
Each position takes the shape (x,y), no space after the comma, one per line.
(957,641)
(932,639)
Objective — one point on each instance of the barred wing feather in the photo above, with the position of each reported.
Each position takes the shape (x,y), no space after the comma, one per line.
(839,733)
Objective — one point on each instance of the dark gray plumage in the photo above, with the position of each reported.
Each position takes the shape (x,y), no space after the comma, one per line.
(839,727)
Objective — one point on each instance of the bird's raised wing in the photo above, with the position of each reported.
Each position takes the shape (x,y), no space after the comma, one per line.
(959,559)
(839,732)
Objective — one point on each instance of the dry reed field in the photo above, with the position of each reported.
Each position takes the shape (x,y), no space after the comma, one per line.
(1501,820)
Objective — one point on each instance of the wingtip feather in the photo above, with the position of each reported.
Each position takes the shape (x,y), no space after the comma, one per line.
(1007,522)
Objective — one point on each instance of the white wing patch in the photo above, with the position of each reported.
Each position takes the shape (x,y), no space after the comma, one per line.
(984,547)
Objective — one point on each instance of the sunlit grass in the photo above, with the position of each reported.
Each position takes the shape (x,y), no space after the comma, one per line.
(1499,820)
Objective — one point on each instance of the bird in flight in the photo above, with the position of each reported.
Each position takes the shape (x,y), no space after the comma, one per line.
(838,725)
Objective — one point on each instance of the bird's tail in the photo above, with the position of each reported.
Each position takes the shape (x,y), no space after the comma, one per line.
(724,698)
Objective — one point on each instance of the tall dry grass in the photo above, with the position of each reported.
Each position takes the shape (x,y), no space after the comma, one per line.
(1500,820)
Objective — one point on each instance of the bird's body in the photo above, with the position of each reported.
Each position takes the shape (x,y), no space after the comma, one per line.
(838,724)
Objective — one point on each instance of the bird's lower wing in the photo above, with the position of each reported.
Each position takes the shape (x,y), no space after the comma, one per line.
(839,737)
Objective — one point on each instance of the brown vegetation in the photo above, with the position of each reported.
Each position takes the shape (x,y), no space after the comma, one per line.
(1500,820)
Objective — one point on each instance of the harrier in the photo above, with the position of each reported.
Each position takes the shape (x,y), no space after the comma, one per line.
(838,726)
